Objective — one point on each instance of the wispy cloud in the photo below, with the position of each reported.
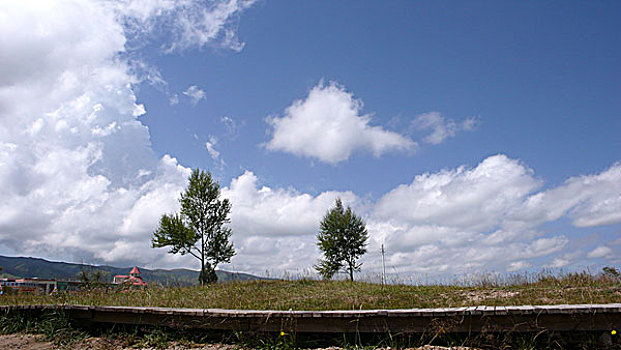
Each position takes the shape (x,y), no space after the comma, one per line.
(441,127)
(599,252)
(173,100)
(188,24)
(195,94)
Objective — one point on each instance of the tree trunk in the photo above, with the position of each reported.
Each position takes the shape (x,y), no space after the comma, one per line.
(351,273)
(203,272)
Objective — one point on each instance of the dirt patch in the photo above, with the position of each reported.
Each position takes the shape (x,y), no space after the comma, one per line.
(25,341)
(38,342)
(477,296)
(426,347)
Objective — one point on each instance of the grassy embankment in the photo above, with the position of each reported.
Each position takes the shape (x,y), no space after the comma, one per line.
(575,288)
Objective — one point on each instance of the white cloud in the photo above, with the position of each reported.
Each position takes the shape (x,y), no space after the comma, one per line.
(466,217)
(275,228)
(490,216)
(232,127)
(599,252)
(173,100)
(185,24)
(470,199)
(214,153)
(590,200)
(518,265)
(448,223)
(558,262)
(564,260)
(441,127)
(264,211)
(80,180)
(327,125)
(195,94)
(210,145)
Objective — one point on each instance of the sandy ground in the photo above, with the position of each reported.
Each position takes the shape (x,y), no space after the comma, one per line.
(21,341)
(37,342)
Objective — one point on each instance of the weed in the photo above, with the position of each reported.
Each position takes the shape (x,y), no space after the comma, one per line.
(281,341)
(16,322)
(156,337)
(53,324)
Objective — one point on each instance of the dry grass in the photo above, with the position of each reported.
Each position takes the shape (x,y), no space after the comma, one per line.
(575,288)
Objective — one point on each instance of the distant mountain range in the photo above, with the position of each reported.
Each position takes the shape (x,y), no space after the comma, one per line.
(19,267)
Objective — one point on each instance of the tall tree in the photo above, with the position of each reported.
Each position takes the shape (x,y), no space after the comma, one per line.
(199,230)
(342,239)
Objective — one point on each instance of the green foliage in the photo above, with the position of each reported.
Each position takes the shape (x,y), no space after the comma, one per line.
(16,322)
(173,233)
(93,278)
(157,338)
(53,324)
(277,343)
(610,272)
(342,239)
(199,230)
(207,275)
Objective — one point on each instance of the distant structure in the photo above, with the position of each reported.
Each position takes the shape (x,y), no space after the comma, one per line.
(37,285)
(133,279)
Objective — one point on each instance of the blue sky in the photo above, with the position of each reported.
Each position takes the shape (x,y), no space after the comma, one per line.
(542,79)
(455,129)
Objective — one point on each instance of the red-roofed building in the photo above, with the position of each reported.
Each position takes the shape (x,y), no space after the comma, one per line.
(133,279)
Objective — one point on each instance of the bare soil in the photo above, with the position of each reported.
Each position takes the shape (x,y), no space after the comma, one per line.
(24,341)
(477,296)
(38,342)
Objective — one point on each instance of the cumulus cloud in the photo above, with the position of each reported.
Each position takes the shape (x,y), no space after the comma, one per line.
(589,200)
(464,213)
(278,212)
(489,217)
(441,127)
(328,126)
(471,199)
(275,228)
(453,222)
(195,94)
(80,180)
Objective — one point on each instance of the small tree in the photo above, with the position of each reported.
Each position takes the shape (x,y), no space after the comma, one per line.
(342,239)
(199,230)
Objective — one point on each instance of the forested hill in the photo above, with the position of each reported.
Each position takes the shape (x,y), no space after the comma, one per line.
(35,267)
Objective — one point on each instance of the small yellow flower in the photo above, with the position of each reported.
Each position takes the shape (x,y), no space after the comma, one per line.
(613,332)
(282,334)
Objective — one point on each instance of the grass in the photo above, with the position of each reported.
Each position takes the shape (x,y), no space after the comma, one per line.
(53,324)
(573,288)
(305,294)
